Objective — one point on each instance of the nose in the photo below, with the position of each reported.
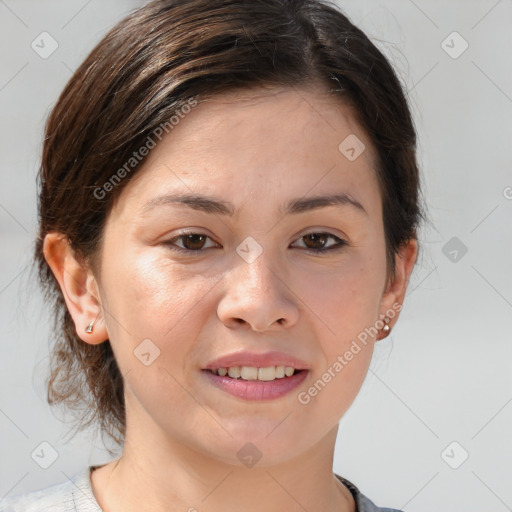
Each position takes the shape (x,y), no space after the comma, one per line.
(257,297)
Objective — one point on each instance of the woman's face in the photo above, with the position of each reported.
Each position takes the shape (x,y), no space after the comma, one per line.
(247,284)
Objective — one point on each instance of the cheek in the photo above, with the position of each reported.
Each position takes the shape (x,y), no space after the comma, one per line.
(344,299)
(336,387)
(152,298)
(345,305)
(151,289)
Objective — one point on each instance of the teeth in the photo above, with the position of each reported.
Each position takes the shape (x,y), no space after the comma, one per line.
(234,372)
(249,373)
(267,373)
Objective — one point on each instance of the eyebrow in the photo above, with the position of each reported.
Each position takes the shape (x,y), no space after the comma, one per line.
(213,205)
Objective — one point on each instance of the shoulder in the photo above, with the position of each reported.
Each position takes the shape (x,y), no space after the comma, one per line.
(363,503)
(74,495)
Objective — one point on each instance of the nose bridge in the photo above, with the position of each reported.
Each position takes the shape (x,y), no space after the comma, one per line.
(256,294)
(257,274)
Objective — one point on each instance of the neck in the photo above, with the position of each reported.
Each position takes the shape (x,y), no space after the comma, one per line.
(158,473)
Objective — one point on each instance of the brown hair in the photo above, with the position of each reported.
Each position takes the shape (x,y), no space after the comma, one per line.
(143,72)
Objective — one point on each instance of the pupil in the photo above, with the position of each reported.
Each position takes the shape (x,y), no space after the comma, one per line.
(194,239)
(318,238)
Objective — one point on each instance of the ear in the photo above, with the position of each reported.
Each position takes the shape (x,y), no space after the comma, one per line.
(78,286)
(394,294)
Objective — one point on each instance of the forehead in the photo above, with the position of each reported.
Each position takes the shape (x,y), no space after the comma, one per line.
(259,144)
(291,114)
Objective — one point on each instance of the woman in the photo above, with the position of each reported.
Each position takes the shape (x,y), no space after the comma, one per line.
(228,216)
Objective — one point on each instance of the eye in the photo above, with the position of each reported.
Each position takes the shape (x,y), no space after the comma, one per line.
(316,243)
(191,242)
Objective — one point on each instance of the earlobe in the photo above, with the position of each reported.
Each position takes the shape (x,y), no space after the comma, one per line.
(78,287)
(396,288)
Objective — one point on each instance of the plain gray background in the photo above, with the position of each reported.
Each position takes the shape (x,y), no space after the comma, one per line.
(443,376)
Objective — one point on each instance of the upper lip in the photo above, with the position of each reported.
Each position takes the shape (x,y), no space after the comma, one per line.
(258,360)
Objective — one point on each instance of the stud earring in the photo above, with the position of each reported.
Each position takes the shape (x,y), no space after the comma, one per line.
(386,329)
(90,327)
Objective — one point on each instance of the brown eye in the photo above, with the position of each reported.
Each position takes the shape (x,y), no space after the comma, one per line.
(194,241)
(189,242)
(313,242)
(318,242)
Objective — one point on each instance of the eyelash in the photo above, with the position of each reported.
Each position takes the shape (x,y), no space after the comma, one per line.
(339,245)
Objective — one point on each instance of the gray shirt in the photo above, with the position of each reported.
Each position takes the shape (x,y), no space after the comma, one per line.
(76,495)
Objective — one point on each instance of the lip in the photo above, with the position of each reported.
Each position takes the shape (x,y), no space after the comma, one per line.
(255,389)
(258,360)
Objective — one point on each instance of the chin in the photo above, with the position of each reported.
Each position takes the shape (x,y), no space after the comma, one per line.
(262,443)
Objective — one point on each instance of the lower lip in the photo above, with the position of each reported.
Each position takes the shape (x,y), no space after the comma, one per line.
(257,389)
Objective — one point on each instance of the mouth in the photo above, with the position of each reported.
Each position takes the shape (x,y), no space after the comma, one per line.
(256,375)
(252,383)
(264,374)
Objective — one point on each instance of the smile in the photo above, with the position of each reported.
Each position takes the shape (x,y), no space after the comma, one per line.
(267,373)
(252,383)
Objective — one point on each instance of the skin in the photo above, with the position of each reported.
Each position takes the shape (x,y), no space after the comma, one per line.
(183,434)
